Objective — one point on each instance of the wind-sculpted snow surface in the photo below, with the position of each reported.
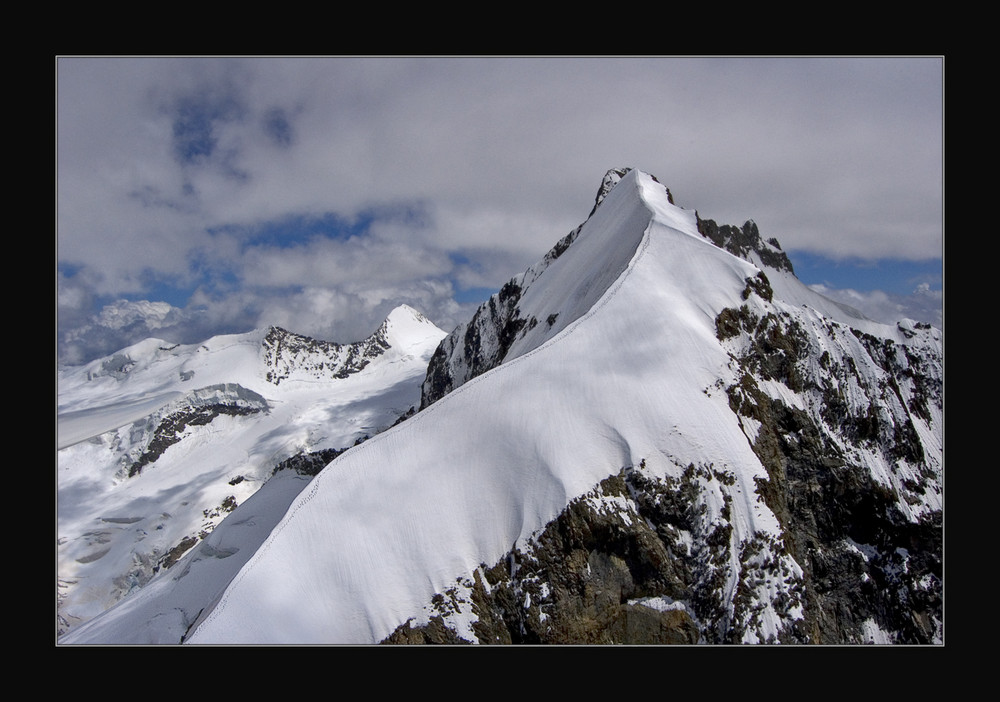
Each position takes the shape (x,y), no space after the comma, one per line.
(634,379)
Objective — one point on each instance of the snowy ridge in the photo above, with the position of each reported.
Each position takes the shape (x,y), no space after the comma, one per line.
(645,438)
(474,487)
(537,305)
(291,357)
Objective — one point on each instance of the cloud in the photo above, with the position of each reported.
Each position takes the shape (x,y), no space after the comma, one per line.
(118,325)
(338,315)
(922,305)
(253,181)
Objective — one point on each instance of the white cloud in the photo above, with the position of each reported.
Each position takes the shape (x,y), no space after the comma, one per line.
(153,315)
(504,156)
(922,305)
(117,325)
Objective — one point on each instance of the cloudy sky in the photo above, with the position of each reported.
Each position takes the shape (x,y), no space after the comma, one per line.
(199,196)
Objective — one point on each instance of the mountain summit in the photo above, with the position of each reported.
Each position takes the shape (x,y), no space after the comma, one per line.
(656,434)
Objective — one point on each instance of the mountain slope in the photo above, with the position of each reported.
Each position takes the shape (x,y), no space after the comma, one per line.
(152,459)
(650,382)
(655,435)
(535,306)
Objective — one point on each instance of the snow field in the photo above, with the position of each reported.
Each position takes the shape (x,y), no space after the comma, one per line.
(113,530)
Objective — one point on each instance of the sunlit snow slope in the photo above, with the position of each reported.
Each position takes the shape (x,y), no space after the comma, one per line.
(633,377)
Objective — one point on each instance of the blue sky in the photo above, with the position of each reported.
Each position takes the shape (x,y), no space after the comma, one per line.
(894,276)
(199,196)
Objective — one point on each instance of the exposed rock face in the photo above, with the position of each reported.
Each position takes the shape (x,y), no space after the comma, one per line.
(849,479)
(435,632)
(293,355)
(745,241)
(477,346)
(636,561)
(310,463)
(158,432)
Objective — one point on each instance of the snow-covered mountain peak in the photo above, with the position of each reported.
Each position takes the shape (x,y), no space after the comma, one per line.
(612,178)
(536,306)
(656,434)
(405,329)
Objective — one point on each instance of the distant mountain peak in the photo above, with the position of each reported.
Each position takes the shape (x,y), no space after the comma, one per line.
(405,310)
(290,355)
(405,328)
(404,315)
(178,436)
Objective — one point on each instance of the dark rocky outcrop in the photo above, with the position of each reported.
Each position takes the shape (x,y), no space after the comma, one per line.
(286,353)
(741,241)
(481,344)
(871,552)
(161,431)
(309,463)
(636,561)
(434,632)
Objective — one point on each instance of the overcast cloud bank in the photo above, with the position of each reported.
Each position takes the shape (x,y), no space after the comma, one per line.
(206,196)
